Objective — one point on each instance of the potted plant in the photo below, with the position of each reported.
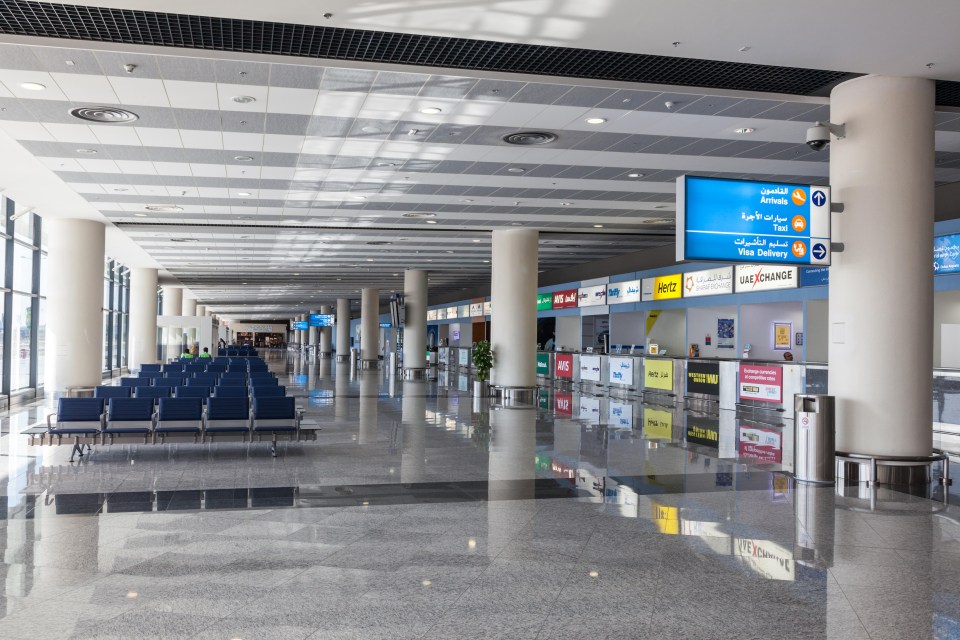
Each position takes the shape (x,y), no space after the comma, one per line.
(482,362)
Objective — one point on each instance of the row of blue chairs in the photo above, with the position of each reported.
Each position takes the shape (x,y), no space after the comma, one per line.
(191,391)
(155,379)
(138,419)
(194,367)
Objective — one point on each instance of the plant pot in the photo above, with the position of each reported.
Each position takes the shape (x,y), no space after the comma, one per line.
(481,389)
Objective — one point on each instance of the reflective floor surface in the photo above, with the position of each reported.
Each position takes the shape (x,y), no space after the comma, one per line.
(421,513)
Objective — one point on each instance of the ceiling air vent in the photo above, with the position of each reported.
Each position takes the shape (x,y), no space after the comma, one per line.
(417,214)
(527,138)
(108,115)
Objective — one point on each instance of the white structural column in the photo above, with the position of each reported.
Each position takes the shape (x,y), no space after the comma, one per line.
(326,335)
(201,311)
(143,317)
(173,306)
(302,335)
(313,336)
(370,326)
(74,349)
(415,322)
(413,464)
(190,309)
(882,172)
(343,329)
(513,319)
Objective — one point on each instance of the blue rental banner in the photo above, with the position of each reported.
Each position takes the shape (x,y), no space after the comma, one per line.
(814,276)
(752,222)
(946,254)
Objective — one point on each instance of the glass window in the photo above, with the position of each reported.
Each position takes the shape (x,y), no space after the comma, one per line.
(43,273)
(41,341)
(117,332)
(106,340)
(20,360)
(23,228)
(22,268)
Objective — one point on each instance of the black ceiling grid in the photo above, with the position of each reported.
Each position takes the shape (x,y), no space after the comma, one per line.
(76,22)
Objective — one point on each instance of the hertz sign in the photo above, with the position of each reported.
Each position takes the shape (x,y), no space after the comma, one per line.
(663,287)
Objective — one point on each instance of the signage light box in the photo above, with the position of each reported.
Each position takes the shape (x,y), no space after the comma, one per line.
(753,222)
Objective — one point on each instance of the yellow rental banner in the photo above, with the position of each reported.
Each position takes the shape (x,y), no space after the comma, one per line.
(658,374)
(657,425)
(668,287)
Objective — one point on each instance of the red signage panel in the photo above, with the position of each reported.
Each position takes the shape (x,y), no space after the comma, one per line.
(563,366)
(565,299)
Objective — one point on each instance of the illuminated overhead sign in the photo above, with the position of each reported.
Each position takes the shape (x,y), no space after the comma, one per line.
(757,222)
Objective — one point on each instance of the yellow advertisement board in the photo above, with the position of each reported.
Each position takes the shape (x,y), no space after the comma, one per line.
(658,374)
(668,287)
(667,519)
(657,425)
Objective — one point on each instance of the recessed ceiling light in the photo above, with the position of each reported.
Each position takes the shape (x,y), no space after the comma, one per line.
(140,215)
(243,99)
(243,158)
(476,240)
(516,169)
(386,164)
(743,130)
(431,111)
(596,120)
(565,204)
(635,175)
(163,207)
(598,226)
(486,261)
(243,193)
(121,189)
(87,151)
(418,214)
(33,86)
(184,240)
(370,130)
(430,221)
(296,274)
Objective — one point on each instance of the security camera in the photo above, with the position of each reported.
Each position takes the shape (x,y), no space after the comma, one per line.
(818,136)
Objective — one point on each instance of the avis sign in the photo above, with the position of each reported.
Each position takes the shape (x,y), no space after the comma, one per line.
(563,366)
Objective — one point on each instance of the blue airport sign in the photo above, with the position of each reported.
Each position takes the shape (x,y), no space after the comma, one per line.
(814,276)
(752,222)
(321,320)
(946,254)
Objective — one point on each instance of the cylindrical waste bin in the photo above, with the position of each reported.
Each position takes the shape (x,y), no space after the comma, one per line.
(815,445)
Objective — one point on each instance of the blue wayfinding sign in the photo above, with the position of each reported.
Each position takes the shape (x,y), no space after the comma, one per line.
(321,320)
(752,222)
(946,254)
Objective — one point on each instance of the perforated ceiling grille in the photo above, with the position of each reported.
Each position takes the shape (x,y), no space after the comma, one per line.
(18,17)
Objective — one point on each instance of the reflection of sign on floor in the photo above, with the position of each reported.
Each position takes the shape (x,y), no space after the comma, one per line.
(760,444)
(767,558)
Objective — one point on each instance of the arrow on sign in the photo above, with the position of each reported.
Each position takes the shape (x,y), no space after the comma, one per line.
(819,251)
(818,198)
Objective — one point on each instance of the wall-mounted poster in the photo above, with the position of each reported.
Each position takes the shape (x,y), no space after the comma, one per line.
(726,333)
(782,336)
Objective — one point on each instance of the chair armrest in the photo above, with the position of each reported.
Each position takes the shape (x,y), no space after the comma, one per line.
(49,425)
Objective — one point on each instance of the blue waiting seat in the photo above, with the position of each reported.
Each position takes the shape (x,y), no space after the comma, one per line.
(192,392)
(170,382)
(230,392)
(227,415)
(179,415)
(129,416)
(273,416)
(264,382)
(216,367)
(195,367)
(111,392)
(261,375)
(77,417)
(232,382)
(167,368)
(203,380)
(268,392)
(152,392)
(134,382)
(150,368)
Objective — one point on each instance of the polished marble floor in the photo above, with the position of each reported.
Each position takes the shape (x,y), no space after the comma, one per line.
(421,513)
